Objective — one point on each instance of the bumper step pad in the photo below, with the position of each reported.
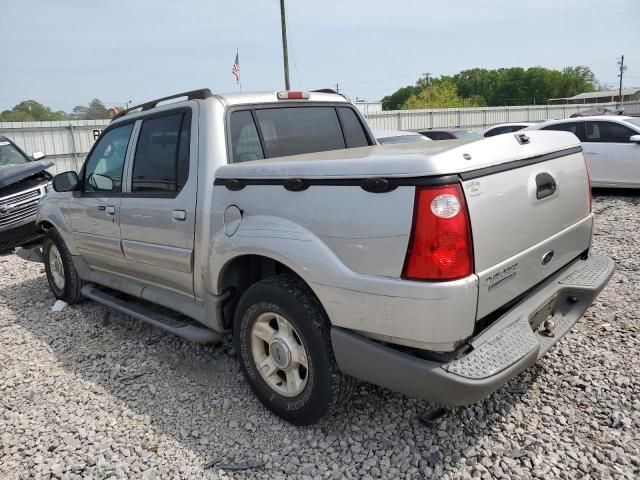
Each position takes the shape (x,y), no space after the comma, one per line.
(515,341)
(496,354)
(591,274)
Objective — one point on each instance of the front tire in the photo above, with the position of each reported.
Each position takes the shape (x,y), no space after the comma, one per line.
(281,336)
(64,282)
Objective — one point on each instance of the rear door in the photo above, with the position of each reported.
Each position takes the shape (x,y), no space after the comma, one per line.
(157,213)
(95,209)
(617,159)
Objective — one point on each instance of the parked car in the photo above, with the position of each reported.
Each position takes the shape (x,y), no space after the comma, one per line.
(450,134)
(505,128)
(392,137)
(611,146)
(23,181)
(252,214)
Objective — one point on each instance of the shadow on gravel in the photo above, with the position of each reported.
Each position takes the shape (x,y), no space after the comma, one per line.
(196,394)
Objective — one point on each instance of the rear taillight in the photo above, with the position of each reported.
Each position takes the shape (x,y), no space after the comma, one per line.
(586,165)
(440,247)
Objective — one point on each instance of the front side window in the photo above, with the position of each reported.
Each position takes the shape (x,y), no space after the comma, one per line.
(10,155)
(103,170)
(161,162)
(607,132)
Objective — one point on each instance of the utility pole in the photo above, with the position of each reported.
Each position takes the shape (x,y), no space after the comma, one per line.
(622,69)
(285,54)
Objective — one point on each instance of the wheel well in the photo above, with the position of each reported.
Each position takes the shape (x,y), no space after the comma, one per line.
(242,272)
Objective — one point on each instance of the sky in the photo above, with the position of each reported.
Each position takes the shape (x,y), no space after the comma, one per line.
(66,52)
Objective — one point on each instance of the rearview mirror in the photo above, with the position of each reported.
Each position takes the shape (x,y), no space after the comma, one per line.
(65,181)
(635,138)
(38,155)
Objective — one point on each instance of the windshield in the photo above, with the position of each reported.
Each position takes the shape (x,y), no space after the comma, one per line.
(402,139)
(633,121)
(9,155)
(467,135)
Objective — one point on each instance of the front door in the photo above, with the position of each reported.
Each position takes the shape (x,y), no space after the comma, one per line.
(158,209)
(95,209)
(608,145)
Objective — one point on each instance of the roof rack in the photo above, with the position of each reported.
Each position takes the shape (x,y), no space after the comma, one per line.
(199,94)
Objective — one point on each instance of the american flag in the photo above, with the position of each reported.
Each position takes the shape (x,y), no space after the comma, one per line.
(236,69)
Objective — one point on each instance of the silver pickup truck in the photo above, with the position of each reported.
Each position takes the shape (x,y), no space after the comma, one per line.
(439,270)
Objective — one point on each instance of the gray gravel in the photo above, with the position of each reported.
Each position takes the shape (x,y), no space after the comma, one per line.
(89,393)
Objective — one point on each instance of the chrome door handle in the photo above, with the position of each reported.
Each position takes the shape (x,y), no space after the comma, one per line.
(180,215)
(111,210)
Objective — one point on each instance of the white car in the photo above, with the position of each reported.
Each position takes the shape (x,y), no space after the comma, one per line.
(505,128)
(390,137)
(611,146)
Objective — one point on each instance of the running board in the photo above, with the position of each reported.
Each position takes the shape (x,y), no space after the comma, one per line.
(137,309)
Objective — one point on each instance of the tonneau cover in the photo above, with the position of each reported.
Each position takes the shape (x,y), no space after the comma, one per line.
(405,160)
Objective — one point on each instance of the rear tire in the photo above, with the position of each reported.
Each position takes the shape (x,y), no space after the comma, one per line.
(280,325)
(64,282)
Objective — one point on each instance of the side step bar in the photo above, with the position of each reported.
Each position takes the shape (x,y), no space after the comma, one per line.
(181,327)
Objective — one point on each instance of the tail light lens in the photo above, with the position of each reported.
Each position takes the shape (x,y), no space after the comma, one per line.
(586,165)
(440,247)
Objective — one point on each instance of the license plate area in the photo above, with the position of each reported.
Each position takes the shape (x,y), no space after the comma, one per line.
(544,312)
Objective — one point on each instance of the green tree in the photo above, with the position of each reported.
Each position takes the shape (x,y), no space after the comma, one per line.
(439,94)
(397,98)
(30,110)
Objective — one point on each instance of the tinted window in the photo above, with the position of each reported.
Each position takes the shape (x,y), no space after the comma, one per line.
(564,127)
(161,163)
(293,131)
(466,135)
(503,129)
(245,143)
(607,132)
(437,135)
(9,155)
(353,132)
(103,170)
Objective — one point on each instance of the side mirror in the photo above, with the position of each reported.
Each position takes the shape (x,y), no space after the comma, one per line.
(101,183)
(65,181)
(38,155)
(635,138)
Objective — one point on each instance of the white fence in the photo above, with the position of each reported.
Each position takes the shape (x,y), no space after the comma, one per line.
(480,117)
(67,143)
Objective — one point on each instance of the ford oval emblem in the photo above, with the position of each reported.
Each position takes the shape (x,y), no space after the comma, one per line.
(547,257)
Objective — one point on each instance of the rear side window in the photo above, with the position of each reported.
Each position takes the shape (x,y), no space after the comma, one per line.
(161,163)
(354,135)
(285,131)
(607,132)
(245,142)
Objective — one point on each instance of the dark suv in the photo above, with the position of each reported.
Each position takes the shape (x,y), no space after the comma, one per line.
(23,181)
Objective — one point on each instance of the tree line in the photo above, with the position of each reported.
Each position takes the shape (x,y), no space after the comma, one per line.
(30,110)
(479,87)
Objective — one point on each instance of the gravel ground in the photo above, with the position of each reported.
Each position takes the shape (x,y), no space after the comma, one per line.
(89,393)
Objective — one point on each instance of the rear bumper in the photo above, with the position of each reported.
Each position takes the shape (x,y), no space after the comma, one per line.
(499,353)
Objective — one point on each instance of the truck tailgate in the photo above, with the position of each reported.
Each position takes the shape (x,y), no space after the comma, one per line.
(527,222)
